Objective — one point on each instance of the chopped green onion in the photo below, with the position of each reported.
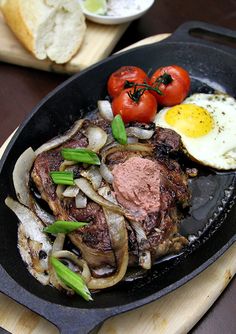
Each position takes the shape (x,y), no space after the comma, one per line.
(71,279)
(62,226)
(66,178)
(118,130)
(80,155)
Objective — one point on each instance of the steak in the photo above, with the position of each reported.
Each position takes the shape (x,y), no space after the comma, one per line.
(161,227)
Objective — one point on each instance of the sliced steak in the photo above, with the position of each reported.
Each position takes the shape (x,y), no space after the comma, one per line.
(93,240)
(47,162)
(161,227)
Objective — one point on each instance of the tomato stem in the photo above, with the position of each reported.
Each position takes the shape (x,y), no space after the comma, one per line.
(165,79)
(137,93)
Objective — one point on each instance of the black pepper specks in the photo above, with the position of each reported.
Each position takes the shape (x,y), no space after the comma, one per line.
(42,255)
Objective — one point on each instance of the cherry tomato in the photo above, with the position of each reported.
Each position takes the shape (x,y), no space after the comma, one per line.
(140,108)
(117,80)
(174,82)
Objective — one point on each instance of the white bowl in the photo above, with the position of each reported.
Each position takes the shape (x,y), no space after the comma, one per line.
(109,19)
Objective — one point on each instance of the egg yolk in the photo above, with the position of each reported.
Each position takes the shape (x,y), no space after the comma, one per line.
(189,119)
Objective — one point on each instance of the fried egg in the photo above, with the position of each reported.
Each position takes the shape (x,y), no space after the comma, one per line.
(207,126)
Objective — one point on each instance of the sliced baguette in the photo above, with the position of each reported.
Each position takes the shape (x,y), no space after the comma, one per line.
(48,28)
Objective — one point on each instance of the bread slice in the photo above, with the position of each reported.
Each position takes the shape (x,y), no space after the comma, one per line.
(48,28)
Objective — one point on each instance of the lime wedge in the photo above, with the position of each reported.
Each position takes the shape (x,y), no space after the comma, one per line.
(98,7)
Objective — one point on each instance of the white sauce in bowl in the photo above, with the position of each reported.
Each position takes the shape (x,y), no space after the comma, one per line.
(125,7)
(119,11)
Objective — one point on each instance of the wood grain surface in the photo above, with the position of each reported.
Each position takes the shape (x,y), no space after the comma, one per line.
(98,43)
(175,313)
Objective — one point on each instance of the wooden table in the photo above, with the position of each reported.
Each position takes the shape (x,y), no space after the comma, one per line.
(22,88)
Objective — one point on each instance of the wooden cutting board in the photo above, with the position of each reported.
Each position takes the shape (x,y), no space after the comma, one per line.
(175,313)
(98,43)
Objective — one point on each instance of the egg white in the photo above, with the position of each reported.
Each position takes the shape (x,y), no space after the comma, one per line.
(217,148)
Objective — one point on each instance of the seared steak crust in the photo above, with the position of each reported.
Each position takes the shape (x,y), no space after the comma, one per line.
(166,141)
(95,234)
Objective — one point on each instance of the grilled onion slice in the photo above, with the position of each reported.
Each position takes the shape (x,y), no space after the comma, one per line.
(86,187)
(119,242)
(57,141)
(33,244)
(144,255)
(97,138)
(139,132)
(93,175)
(21,174)
(105,110)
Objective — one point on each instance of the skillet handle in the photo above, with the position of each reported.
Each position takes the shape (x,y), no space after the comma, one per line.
(204,33)
(69,320)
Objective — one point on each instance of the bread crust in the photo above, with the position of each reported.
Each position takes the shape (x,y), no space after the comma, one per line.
(13,16)
(28,21)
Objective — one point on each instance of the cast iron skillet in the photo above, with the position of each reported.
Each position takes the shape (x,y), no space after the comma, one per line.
(210,222)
